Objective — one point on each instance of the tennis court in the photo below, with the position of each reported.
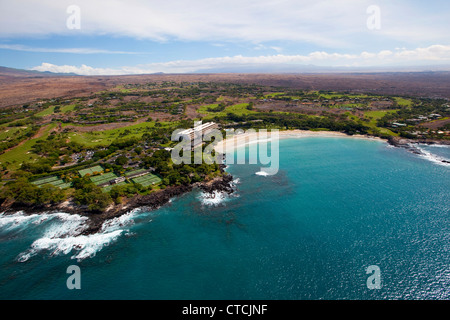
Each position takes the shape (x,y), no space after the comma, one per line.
(147,180)
(54,181)
(134,172)
(103,178)
(45,180)
(90,170)
(108,188)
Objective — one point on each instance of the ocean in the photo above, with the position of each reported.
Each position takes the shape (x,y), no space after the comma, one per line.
(336,207)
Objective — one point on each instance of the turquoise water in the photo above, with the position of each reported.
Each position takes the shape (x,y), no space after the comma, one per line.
(337,206)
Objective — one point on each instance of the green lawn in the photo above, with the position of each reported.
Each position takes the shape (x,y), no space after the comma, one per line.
(10,132)
(46,112)
(335,95)
(238,109)
(375,115)
(274,94)
(91,139)
(68,108)
(103,138)
(403,102)
(106,137)
(51,109)
(23,152)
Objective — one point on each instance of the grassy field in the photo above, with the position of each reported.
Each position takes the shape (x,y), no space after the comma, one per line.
(103,138)
(99,138)
(46,112)
(274,94)
(10,132)
(375,115)
(238,109)
(23,152)
(402,102)
(335,95)
(68,108)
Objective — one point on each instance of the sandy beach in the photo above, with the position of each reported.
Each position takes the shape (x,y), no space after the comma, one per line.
(232,142)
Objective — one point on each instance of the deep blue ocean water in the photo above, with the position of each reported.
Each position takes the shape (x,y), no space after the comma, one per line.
(336,206)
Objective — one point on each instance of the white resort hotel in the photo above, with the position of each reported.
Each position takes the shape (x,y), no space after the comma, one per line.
(198,131)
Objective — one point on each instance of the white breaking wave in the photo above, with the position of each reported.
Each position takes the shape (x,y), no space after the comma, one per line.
(125,220)
(20,219)
(262,173)
(86,246)
(64,235)
(432,157)
(438,146)
(213,199)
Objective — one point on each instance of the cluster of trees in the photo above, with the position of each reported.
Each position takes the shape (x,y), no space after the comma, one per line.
(182,174)
(26,193)
(120,144)
(17,117)
(299,121)
(88,194)
(129,190)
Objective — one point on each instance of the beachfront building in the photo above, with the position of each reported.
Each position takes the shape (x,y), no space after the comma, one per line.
(199,131)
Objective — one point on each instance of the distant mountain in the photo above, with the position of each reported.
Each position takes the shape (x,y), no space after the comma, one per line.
(266,68)
(296,68)
(12,72)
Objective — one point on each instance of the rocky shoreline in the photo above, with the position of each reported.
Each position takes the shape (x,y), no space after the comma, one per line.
(148,202)
(411,145)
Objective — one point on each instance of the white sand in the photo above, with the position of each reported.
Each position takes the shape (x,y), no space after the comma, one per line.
(236,141)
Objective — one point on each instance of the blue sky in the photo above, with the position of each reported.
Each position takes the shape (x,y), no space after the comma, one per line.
(136,36)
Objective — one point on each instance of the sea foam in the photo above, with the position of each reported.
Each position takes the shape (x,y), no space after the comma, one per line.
(425,154)
(63,234)
(213,199)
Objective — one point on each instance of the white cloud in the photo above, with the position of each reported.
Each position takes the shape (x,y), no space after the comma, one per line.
(431,54)
(326,23)
(17,47)
(83,70)
(261,46)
